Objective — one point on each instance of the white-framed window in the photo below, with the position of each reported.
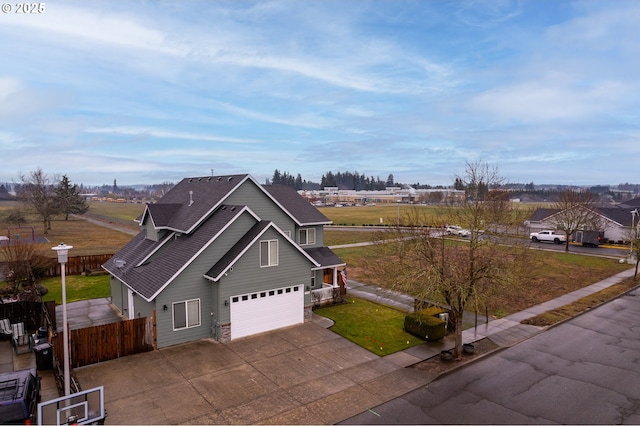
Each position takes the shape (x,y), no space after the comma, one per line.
(307,236)
(269,253)
(186,314)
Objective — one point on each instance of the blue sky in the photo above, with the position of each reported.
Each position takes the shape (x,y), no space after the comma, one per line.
(151,91)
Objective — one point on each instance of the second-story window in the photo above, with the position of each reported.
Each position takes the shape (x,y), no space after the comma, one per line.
(307,236)
(268,253)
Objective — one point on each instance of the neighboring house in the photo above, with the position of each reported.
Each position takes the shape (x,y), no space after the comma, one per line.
(224,257)
(616,222)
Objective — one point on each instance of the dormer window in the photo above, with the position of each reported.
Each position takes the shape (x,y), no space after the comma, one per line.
(307,236)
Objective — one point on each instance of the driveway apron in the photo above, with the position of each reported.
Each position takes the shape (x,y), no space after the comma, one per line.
(304,374)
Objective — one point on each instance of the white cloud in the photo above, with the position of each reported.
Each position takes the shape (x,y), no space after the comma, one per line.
(164,134)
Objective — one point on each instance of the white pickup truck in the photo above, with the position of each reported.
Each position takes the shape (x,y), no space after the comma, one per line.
(549,236)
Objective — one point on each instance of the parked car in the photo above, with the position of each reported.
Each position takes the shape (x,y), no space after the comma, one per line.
(19,396)
(464,233)
(457,230)
(452,229)
(549,236)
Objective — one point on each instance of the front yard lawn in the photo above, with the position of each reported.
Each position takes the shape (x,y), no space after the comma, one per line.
(376,328)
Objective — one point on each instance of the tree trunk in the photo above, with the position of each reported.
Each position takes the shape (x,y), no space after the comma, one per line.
(458,348)
(44,223)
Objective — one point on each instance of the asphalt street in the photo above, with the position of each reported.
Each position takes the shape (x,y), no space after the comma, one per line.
(583,371)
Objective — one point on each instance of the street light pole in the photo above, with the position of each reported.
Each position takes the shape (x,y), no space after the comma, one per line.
(634,231)
(63,252)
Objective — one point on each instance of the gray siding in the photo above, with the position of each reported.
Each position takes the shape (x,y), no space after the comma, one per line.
(117,290)
(142,308)
(191,284)
(319,236)
(248,277)
(264,207)
(318,274)
(260,203)
(150,232)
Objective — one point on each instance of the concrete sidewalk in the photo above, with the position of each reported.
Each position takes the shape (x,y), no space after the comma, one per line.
(503,332)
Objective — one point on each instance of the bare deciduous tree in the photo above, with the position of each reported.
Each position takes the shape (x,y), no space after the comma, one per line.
(462,276)
(37,192)
(25,265)
(576,212)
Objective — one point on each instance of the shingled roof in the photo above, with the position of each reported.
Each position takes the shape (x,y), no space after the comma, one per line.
(620,215)
(192,200)
(325,257)
(148,269)
(298,208)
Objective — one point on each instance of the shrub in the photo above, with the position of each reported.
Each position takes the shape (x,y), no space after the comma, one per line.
(426,327)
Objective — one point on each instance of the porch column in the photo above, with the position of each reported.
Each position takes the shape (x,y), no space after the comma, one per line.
(335,277)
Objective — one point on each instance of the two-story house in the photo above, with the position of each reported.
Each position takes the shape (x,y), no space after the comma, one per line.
(223,257)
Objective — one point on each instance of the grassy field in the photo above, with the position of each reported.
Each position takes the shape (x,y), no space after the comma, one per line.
(391,214)
(125,211)
(86,238)
(382,214)
(560,273)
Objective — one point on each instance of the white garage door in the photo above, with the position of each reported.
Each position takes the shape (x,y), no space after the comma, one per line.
(266,310)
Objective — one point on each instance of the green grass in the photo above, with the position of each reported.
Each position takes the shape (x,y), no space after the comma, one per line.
(79,287)
(124,211)
(376,328)
(371,215)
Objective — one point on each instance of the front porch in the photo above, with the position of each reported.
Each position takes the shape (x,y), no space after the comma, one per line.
(334,286)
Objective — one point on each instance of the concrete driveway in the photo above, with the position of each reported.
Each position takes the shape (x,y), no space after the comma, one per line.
(304,374)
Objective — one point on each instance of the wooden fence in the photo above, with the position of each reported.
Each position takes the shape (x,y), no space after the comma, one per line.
(76,265)
(105,342)
(29,313)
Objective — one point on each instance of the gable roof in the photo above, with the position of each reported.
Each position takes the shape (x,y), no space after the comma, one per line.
(148,269)
(160,214)
(619,215)
(542,213)
(243,244)
(192,200)
(297,207)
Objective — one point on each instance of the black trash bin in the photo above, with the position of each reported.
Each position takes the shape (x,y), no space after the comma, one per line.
(44,356)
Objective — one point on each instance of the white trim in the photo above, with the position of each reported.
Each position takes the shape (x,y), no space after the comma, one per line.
(252,242)
(205,246)
(307,231)
(131,306)
(186,313)
(270,262)
(328,222)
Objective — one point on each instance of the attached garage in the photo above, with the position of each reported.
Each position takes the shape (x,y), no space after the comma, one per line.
(266,310)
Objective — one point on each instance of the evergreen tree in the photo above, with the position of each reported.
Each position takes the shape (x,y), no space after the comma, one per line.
(68,199)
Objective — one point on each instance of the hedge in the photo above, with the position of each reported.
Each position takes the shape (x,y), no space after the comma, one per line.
(425,324)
